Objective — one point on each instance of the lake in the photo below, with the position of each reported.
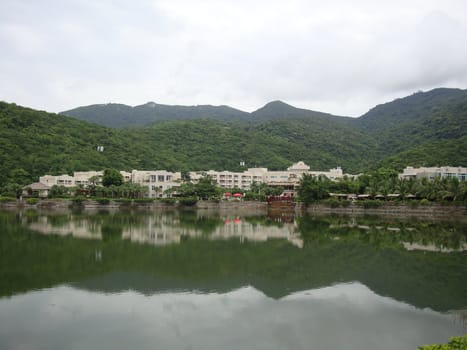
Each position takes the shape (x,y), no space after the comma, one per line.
(228,280)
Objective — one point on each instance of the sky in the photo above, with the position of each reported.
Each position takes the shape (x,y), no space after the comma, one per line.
(336,56)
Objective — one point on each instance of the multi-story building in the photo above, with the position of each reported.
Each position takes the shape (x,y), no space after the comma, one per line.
(230,179)
(157,181)
(433,172)
(79,178)
(289,178)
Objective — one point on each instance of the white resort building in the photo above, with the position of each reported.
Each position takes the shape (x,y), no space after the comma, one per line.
(433,172)
(289,178)
(157,181)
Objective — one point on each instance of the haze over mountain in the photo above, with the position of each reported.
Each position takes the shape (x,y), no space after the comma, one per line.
(426,128)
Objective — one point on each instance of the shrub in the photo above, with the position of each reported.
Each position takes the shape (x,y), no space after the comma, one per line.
(188,201)
(331,202)
(123,200)
(7,199)
(168,200)
(144,200)
(456,343)
(78,200)
(424,201)
(103,201)
(32,201)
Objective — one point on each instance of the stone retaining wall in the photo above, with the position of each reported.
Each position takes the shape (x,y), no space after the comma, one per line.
(435,211)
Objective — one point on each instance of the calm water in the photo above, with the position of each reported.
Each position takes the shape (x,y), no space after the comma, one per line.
(204,280)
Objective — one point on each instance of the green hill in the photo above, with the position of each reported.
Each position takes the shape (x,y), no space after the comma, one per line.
(278,110)
(419,119)
(34,143)
(422,129)
(410,108)
(120,116)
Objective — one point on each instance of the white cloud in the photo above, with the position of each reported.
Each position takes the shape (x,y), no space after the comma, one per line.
(337,56)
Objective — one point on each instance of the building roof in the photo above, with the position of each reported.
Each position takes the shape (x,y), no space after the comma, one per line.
(37,186)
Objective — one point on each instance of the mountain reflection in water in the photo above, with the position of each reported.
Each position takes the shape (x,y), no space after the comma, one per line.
(221,251)
(210,280)
(343,316)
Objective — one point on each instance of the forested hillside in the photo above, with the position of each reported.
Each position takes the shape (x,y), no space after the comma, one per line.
(430,130)
(422,118)
(34,143)
(120,115)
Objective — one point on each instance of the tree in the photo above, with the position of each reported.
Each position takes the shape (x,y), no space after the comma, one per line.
(206,189)
(112,177)
(58,192)
(20,176)
(11,190)
(313,188)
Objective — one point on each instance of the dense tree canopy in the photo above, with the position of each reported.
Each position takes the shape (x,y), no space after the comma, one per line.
(112,177)
(35,143)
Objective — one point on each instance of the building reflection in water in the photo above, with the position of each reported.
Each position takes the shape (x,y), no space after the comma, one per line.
(78,228)
(165,229)
(158,232)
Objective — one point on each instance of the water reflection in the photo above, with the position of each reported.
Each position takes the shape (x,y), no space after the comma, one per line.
(166,228)
(154,252)
(344,316)
(210,280)
(175,227)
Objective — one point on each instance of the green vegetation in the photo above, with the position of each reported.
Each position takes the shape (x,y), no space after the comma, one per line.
(260,191)
(112,177)
(382,183)
(455,343)
(423,129)
(32,201)
(120,116)
(334,251)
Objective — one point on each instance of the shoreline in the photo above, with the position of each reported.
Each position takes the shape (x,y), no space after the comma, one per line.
(397,210)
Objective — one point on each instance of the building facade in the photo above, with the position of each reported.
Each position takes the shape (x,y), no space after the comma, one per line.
(157,181)
(289,178)
(433,172)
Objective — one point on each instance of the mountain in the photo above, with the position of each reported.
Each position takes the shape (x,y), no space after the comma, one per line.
(119,115)
(279,110)
(410,108)
(426,128)
(424,117)
(34,143)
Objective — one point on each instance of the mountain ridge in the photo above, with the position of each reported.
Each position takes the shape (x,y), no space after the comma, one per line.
(121,115)
(399,110)
(432,130)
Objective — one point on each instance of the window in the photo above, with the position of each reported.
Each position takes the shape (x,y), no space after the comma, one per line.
(153,178)
(168,177)
(160,178)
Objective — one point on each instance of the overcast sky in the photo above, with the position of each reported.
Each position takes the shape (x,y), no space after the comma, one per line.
(341,57)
